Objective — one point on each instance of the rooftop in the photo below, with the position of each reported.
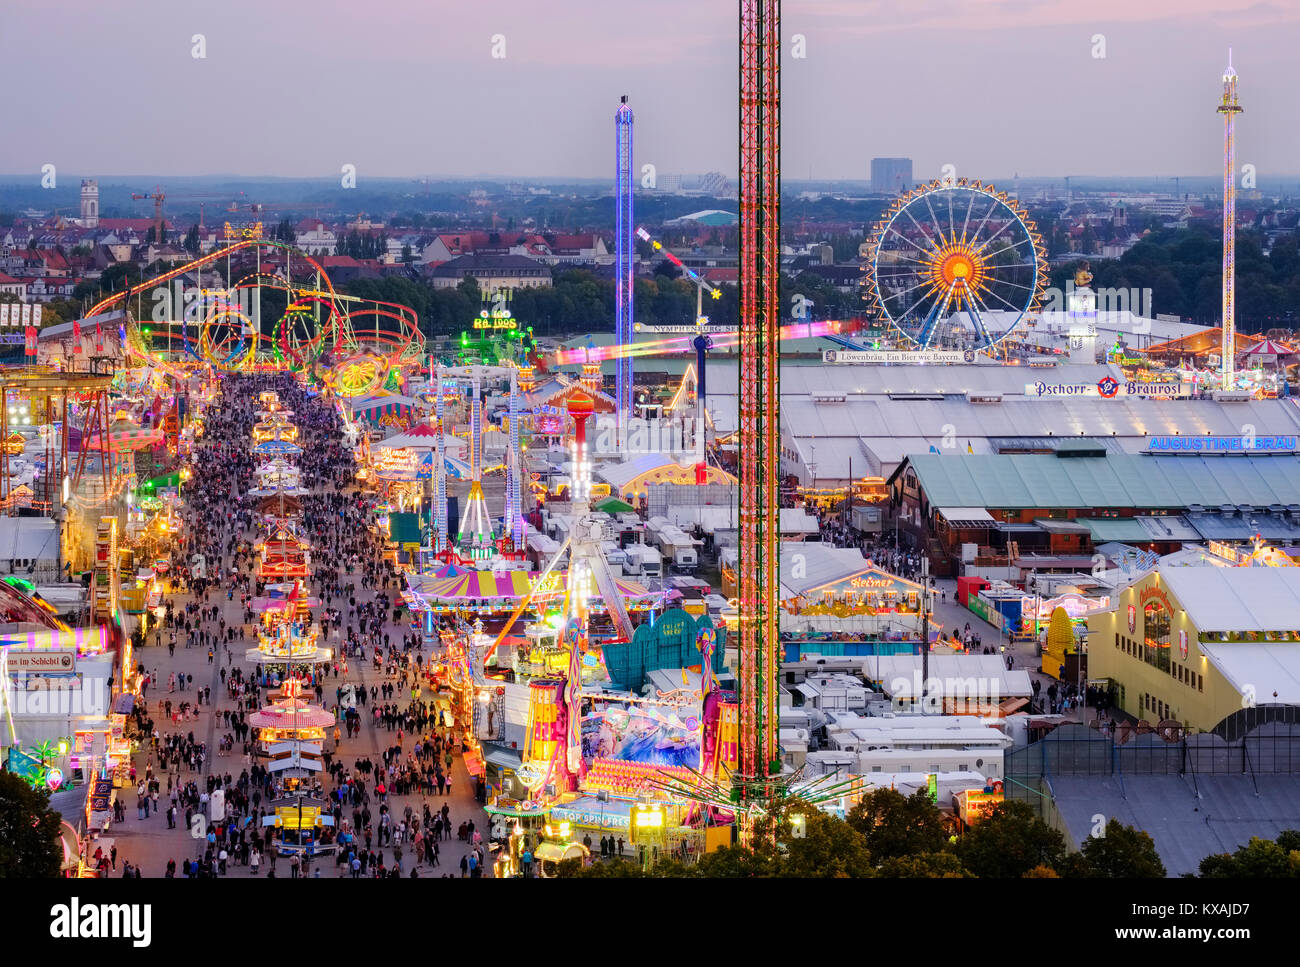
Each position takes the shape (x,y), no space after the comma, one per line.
(1123,480)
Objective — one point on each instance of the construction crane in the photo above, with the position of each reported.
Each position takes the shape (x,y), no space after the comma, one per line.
(158,197)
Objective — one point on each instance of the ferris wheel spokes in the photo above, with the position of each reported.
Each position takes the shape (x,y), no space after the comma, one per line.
(925,266)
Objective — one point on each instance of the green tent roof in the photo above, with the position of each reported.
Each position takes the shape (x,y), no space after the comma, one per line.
(612,505)
(1121,480)
(1125,530)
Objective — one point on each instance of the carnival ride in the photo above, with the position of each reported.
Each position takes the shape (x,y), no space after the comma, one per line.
(624,252)
(347,342)
(727,339)
(952,247)
(58,399)
(291,737)
(477,534)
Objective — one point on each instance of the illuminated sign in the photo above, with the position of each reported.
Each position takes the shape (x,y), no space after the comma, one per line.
(648,817)
(497,318)
(840,356)
(1108,388)
(704,327)
(41,661)
(1156,593)
(1221,444)
(871,582)
(1229,552)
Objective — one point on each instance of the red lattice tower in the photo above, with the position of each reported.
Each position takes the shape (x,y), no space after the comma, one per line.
(760,433)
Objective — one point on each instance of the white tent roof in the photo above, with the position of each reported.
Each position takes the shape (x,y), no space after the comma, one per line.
(1267,669)
(974,676)
(808,565)
(619,475)
(1237,598)
(28,539)
(797,520)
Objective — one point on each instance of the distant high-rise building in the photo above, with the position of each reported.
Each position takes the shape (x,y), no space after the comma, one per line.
(89,203)
(891,175)
(715,183)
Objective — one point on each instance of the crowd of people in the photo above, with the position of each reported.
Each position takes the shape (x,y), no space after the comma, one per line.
(200,754)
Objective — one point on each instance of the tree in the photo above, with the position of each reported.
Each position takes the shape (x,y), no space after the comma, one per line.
(936,866)
(468,287)
(1258,859)
(1009,843)
(29,831)
(191,243)
(897,825)
(1041,873)
(830,847)
(1122,852)
(737,863)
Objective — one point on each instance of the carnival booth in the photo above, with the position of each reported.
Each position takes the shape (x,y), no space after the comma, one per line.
(821,580)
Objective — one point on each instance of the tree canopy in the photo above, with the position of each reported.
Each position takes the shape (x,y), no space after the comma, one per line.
(29,831)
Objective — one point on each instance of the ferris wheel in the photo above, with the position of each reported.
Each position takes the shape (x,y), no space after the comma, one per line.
(956,265)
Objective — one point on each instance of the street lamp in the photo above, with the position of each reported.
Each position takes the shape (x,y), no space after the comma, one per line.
(925,629)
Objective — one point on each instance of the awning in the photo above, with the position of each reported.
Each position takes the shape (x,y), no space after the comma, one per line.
(554,852)
(473,764)
(966,516)
(504,758)
(1061,526)
(1125,530)
(124,704)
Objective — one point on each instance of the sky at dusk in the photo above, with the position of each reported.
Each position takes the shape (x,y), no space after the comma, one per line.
(409,88)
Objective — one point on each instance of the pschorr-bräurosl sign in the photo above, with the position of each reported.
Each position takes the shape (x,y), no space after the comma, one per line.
(1107,388)
(1221,444)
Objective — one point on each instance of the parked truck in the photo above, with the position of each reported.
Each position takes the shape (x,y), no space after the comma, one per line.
(643,561)
(678,548)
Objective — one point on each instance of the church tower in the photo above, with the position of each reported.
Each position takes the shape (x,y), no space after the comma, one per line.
(89,203)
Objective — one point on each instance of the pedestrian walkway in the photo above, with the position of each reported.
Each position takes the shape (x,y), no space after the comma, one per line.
(150,843)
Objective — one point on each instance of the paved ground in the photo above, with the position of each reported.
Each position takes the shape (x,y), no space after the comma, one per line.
(1024,654)
(150,844)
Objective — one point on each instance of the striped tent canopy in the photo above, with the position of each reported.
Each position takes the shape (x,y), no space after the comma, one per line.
(291,713)
(1268,349)
(420,437)
(373,407)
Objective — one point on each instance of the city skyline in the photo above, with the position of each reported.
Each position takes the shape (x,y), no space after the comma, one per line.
(374,89)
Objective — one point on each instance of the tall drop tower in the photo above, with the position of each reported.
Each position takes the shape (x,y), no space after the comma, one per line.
(1229,108)
(623,251)
(760,361)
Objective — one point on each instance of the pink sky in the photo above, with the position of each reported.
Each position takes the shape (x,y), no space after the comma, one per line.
(409,87)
